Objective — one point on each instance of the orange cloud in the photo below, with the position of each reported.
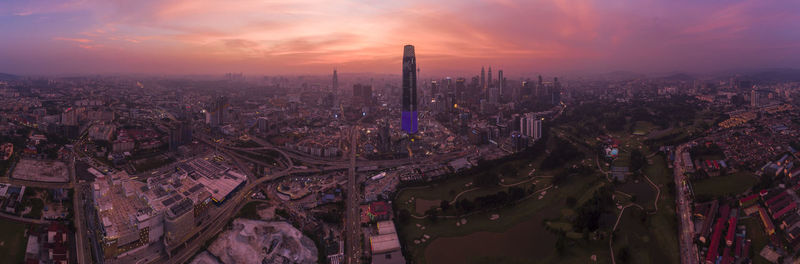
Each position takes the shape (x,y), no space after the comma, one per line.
(79,40)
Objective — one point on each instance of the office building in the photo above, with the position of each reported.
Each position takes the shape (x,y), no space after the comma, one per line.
(409,114)
(362,95)
(216,112)
(179,134)
(555,92)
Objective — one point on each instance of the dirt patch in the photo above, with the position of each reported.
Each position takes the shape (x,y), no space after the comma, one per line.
(526,240)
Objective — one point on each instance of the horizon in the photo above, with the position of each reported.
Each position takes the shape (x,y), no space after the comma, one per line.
(451,37)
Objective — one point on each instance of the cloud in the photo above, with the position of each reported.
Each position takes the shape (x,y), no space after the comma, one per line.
(450,35)
(79,40)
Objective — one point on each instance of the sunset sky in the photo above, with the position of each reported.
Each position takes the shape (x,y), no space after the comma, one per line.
(451,36)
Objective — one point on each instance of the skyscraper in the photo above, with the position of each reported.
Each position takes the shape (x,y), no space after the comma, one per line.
(483,79)
(489,78)
(335,84)
(500,84)
(555,94)
(409,115)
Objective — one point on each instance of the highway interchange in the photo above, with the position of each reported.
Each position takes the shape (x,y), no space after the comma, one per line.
(88,239)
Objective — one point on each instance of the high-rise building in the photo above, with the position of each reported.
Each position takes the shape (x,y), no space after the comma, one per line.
(262,124)
(460,88)
(180,134)
(69,117)
(216,113)
(537,129)
(518,141)
(483,79)
(434,88)
(500,83)
(555,93)
(362,95)
(531,126)
(489,78)
(335,82)
(409,114)
(540,87)
(384,138)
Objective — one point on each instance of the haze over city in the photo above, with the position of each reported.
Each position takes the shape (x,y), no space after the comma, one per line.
(399,132)
(453,37)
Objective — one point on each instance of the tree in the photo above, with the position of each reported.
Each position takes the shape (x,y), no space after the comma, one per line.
(508,171)
(637,160)
(516,193)
(404,216)
(571,201)
(486,179)
(432,214)
(624,255)
(466,205)
(561,245)
(444,205)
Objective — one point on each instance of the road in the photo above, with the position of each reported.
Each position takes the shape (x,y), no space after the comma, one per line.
(78,213)
(228,209)
(686,227)
(43,185)
(352,219)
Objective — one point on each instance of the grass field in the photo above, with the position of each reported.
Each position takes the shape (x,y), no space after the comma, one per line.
(524,232)
(641,128)
(731,184)
(524,220)
(651,238)
(12,241)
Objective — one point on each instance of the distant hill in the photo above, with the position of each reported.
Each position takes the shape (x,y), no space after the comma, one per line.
(780,75)
(622,75)
(679,77)
(8,77)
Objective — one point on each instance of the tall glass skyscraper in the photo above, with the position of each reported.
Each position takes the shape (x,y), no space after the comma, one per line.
(409,115)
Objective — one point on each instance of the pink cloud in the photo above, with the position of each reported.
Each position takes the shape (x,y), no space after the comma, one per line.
(450,35)
(79,40)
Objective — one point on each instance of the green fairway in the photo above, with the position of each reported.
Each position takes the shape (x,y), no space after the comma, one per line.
(731,184)
(12,241)
(547,230)
(642,128)
(527,217)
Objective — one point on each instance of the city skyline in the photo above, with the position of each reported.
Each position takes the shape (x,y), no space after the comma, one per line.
(257,37)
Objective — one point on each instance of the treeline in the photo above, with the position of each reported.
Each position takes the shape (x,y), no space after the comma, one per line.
(492,201)
(466,206)
(571,172)
(563,153)
(589,213)
(616,117)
